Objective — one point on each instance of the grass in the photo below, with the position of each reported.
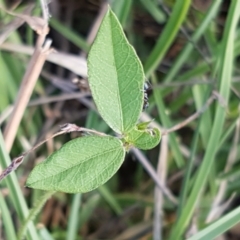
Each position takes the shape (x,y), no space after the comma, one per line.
(195,50)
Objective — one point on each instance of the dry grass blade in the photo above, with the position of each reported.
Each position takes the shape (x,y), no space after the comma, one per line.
(217,208)
(74,63)
(38,24)
(29,80)
(158,198)
(28,83)
(14,24)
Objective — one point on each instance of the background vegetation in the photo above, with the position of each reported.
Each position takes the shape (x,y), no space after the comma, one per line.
(189,50)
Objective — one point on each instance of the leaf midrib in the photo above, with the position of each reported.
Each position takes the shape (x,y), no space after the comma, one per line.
(113,52)
(87,159)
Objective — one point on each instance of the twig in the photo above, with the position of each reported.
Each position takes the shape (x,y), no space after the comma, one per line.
(64,87)
(45,10)
(12,167)
(65,128)
(144,117)
(158,198)
(191,118)
(145,163)
(69,127)
(61,97)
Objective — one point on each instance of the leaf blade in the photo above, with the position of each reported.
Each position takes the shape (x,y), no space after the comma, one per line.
(143,138)
(116,76)
(81,165)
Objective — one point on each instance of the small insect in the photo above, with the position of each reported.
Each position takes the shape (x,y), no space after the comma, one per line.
(82,84)
(145,99)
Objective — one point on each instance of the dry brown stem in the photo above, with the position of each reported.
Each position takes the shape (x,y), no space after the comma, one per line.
(29,80)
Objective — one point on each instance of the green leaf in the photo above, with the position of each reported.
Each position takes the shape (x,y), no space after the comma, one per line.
(81,165)
(116,76)
(143,138)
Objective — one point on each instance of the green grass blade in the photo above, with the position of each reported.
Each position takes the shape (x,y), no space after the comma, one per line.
(33,213)
(187,173)
(227,133)
(121,9)
(167,123)
(200,95)
(167,37)
(195,72)
(69,34)
(154,10)
(7,220)
(73,220)
(45,235)
(226,65)
(15,192)
(189,46)
(4,88)
(88,209)
(107,195)
(203,67)
(218,227)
